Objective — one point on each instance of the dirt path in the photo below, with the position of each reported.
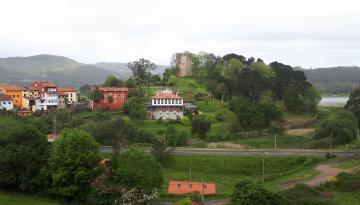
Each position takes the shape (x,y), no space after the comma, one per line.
(326,172)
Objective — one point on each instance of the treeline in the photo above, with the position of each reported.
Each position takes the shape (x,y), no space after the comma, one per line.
(73,170)
(334,80)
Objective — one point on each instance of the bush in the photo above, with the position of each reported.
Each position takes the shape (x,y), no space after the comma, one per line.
(248,193)
(303,194)
(198,144)
(346,182)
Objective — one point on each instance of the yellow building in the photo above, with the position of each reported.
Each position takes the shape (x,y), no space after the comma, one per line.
(14,92)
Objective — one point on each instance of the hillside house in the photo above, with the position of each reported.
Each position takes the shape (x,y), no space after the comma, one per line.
(47,92)
(188,187)
(6,102)
(113,98)
(166,104)
(70,92)
(14,92)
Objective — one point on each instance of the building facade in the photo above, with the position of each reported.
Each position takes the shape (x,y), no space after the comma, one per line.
(14,92)
(71,94)
(6,102)
(113,98)
(48,94)
(166,104)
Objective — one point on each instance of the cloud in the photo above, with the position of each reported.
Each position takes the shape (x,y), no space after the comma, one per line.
(305,33)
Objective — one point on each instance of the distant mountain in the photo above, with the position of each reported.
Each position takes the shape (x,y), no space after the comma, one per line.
(334,80)
(124,71)
(61,70)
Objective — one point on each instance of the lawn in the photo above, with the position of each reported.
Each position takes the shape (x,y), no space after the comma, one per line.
(10,198)
(227,170)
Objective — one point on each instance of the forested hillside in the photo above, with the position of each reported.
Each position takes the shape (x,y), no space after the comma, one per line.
(334,80)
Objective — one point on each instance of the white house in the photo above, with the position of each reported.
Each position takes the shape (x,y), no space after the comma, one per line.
(40,104)
(166,105)
(70,93)
(6,102)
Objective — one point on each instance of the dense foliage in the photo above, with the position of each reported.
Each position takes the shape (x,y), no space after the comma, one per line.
(135,169)
(24,152)
(342,127)
(200,125)
(253,114)
(248,193)
(353,103)
(72,164)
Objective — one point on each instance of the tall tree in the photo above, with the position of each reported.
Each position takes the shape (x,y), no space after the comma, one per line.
(72,164)
(141,70)
(113,81)
(200,125)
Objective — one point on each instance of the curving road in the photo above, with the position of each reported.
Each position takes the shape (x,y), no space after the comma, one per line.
(224,152)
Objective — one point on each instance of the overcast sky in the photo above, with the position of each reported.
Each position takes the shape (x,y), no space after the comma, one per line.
(307,33)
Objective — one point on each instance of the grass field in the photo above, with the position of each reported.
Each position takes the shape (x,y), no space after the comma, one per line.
(10,198)
(227,170)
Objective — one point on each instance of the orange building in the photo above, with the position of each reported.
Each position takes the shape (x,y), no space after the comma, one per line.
(14,92)
(188,187)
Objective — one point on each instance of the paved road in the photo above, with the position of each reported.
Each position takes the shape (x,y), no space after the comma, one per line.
(220,152)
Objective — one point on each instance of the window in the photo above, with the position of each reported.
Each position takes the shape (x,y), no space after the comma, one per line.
(9,103)
(17,96)
(179,185)
(115,98)
(190,185)
(205,186)
(13,96)
(24,95)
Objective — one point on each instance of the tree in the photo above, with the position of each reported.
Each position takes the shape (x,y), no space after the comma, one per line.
(353,104)
(251,84)
(24,152)
(248,193)
(135,108)
(113,81)
(121,133)
(161,152)
(134,169)
(200,125)
(72,164)
(254,115)
(141,70)
(342,131)
(96,95)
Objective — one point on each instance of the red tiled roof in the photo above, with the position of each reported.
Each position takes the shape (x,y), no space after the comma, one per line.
(166,96)
(4,97)
(187,187)
(62,94)
(52,136)
(66,89)
(28,88)
(45,83)
(113,89)
(10,87)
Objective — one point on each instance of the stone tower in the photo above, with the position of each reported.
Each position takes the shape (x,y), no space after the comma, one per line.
(183,64)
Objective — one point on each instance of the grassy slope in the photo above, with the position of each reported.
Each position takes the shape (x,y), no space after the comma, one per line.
(227,170)
(10,198)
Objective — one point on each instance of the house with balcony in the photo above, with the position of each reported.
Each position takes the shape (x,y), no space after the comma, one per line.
(48,95)
(70,94)
(166,104)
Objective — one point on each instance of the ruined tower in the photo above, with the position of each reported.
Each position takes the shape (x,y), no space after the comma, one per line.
(183,64)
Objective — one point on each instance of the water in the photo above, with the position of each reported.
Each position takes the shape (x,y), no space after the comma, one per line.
(333,100)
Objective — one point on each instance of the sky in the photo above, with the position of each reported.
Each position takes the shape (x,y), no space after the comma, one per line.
(306,33)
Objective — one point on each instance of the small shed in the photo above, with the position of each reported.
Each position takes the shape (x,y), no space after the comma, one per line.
(187,187)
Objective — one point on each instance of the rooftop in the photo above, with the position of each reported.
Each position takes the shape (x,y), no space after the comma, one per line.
(166,96)
(66,89)
(25,88)
(45,83)
(10,87)
(113,89)
(4,97)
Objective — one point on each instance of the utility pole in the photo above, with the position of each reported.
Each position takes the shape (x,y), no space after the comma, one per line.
(190,169)
(263,168)
(202,192)
(275,141)
(54,123)
(331,144)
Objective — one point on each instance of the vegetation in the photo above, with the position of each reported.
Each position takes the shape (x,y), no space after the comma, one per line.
(353,103)
(72,165)
(24,152)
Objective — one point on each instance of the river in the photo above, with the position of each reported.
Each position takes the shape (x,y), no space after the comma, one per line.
(340,101)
